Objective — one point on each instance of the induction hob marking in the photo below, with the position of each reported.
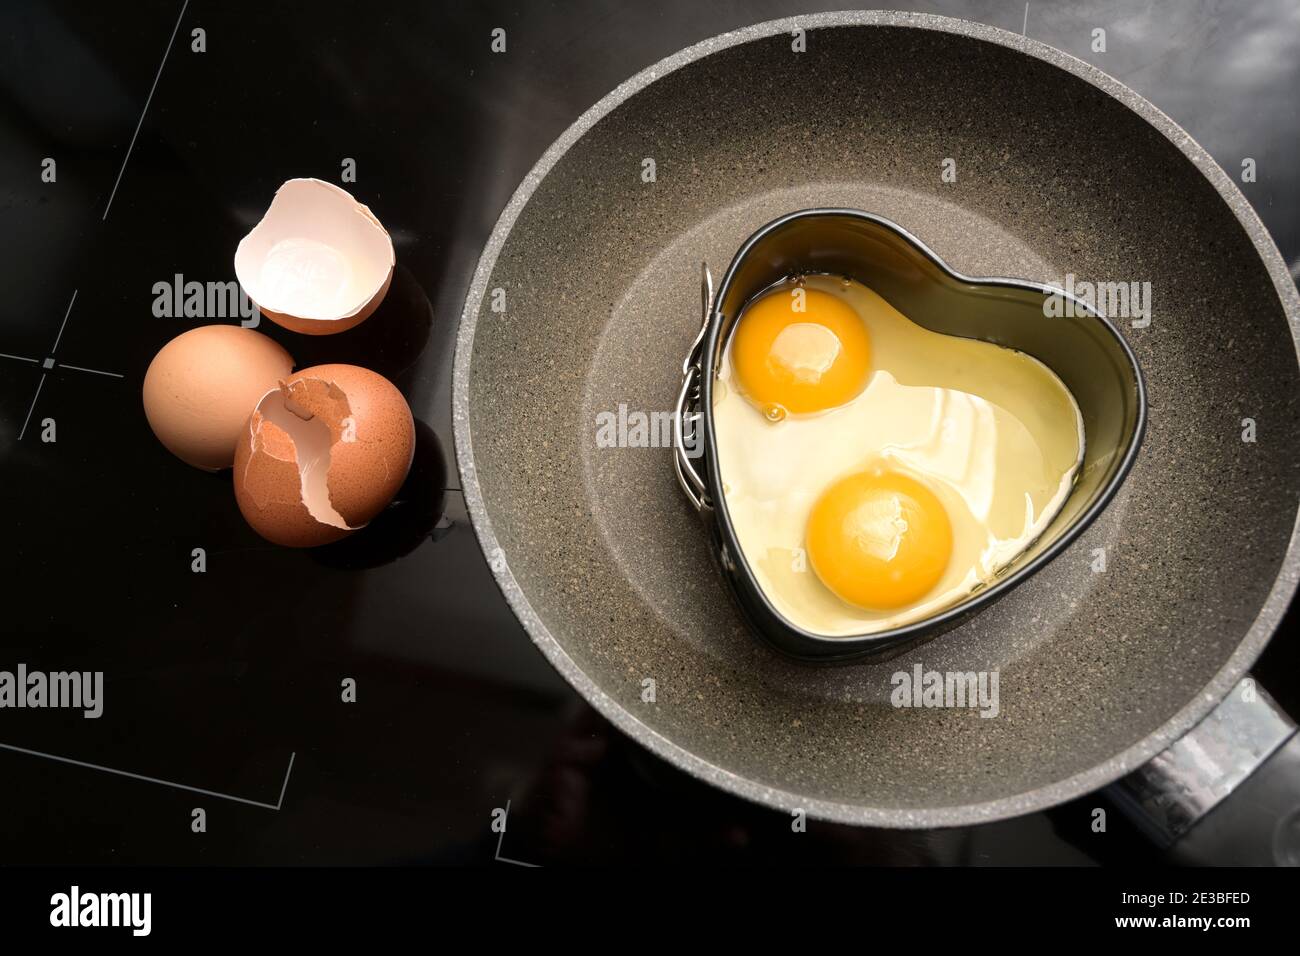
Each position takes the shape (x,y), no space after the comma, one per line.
(149,100)
(32,407)
(64,324)
(165,783)
(501,838)
(92,371)
(49,363)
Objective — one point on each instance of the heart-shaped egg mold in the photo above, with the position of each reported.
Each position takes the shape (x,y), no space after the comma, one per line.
(1075,341)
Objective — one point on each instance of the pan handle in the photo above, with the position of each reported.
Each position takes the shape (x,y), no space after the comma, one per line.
(1228,791)
(688,432)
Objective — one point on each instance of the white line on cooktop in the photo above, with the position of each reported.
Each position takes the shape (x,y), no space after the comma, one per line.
(125,158)
(165,783)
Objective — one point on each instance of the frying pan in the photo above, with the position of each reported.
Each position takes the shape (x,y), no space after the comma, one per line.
(586,298)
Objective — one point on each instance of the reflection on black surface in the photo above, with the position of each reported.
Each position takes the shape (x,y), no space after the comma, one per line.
(407,521)
(389,342)
(603,799)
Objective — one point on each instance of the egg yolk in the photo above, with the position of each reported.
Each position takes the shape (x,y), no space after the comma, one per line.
(879,539)
(800,350)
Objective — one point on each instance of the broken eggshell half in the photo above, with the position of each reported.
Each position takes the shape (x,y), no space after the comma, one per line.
(319,262)
(323,453)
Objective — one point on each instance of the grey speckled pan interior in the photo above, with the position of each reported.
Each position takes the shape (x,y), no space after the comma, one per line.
(1060,170)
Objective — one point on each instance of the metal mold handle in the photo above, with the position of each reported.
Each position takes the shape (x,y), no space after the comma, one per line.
(686,420)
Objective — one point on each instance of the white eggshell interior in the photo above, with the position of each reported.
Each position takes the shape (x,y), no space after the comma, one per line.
(312,442)
(317,253)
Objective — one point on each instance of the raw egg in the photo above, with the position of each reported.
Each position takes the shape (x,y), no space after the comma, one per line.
(879,539)
(322,454)
(200,386)
(906,468)
(800,350)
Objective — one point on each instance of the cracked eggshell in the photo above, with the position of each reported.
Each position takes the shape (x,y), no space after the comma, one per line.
(322,455)
(200,386)
(319,262)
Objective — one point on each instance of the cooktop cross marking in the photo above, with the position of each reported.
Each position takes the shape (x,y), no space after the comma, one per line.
(50,363)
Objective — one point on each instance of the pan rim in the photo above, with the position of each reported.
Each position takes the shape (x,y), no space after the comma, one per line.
(1100,774)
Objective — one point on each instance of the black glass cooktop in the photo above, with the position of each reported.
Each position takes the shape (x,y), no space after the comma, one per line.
(135,150)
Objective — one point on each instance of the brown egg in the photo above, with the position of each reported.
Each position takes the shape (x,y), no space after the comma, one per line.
(202,384)
(322,455)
